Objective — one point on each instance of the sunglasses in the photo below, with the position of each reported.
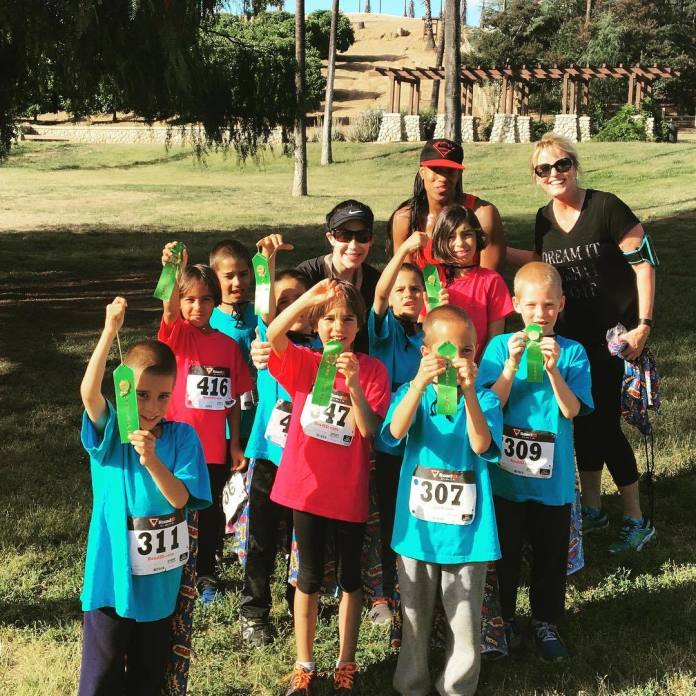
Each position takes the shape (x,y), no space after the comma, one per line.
(562,166)
(346,236)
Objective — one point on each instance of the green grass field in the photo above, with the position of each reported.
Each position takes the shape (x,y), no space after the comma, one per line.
(79,224)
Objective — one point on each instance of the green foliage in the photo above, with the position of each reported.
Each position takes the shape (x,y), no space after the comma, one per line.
(538,128)
(318,29)
(428,121)
(627,125)
(366,128)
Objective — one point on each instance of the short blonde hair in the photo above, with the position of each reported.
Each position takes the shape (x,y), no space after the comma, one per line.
(551,140)
(538,273)
(449,314)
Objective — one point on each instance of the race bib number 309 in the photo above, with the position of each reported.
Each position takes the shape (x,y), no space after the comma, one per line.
(208,388)
(157,543)
(333,423)
(527,453)
(443,495)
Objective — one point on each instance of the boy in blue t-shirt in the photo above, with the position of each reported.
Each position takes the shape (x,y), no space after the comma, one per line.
(444,530)
(138,536)
(534,483)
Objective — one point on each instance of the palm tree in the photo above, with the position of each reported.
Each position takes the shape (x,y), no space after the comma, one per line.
(428,18)
(435,94)
(453,64)
(326,155)
(464,12)
(299,183)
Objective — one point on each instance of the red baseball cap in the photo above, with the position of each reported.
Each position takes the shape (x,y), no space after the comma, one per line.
(442,153)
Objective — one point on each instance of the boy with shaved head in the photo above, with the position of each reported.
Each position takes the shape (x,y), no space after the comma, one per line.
(444,528)
(534,482)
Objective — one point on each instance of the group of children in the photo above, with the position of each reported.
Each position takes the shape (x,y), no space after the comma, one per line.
(473,456)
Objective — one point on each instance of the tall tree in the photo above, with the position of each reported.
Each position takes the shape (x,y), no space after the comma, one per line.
(464,12)
(453,64)
(428,19)
(326,154)
(588,12)
(435,94)
(411,9)
(299,183)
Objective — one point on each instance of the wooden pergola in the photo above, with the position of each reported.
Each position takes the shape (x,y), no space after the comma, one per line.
(516,84)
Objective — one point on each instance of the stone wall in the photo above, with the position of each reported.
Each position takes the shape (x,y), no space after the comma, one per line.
(391,130)
(504,130)
(584,128)
(439,126)
(470,129)
(567,126)
(413,128)
(524,129)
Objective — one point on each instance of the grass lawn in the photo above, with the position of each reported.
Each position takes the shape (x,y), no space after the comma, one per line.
(80,223)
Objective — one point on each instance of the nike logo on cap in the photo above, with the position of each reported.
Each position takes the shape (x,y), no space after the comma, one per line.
(353,212)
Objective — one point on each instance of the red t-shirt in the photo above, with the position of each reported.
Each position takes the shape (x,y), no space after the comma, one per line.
(483,295)
(318,476)
(211,374)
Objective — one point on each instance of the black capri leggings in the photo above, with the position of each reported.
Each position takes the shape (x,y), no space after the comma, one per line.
(599,439)
(312,533)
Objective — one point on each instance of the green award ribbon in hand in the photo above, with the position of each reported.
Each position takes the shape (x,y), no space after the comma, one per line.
(447,382)
(433,286)
(170,270)
(535,360)
(323,385)
(126,399)
(262,275)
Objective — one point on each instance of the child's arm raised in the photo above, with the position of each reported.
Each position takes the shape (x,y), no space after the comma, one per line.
(365,418)
(269,246)
(172,307)
(476,425)
(90,389)
(567,401)
(503,385)
(431,366)
(416,241)
(320,293)
(170,486)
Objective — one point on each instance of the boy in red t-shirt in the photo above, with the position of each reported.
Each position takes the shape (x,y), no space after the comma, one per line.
(211,376)
(323,475)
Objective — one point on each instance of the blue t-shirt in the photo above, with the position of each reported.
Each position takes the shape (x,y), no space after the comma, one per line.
(441,442)
(533,407)
(400,354)
(122,487)
(269,391)
(242,329)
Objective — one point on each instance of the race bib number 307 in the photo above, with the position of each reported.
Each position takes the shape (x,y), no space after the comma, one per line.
(443,495)
(208,388)
(333,423)
(157,543)
(527,453)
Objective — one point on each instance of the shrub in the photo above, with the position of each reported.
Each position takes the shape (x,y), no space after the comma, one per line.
(538,129)
(627,125)
(428,121)
(366,128)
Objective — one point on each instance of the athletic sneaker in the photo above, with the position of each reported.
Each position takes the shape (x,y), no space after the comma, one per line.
(256,632)
(344,676)
(381,612)
(593,519)
(207,590)
(633,536)
(547,642)
(301,682)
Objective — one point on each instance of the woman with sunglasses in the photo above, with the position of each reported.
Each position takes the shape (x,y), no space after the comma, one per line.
(438,184)
(607,265)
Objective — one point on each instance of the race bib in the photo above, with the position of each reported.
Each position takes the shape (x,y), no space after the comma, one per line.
(208,388)
(333,423)
(442,495)
(279,423)
(234,495)
(527,452)
(157,543)
(248,400)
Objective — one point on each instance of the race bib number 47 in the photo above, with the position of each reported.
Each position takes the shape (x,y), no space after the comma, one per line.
(208,388)
(333,423)
(443,495)
(157,543)
(527,453)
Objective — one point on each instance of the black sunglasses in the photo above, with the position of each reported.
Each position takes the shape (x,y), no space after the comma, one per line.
(562,166)
(346,236)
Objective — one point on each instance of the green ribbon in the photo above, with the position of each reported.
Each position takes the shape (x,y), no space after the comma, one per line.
(262,275)
(447,382)
(126,402)
(535,360)
(323,385)
(433,286)
(167,279)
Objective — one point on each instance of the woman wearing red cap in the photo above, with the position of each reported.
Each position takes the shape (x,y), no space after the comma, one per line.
(438,184)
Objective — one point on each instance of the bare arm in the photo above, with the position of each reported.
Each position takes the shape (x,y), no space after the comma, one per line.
(269,247)
(365,418)
(401,229)
(518,257)
(493,256)
(476,426)
(503,385)
(567,401)
(234,421)
(172,307)
(90,389)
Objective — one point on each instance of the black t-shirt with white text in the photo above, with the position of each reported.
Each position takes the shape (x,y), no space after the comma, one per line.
(598,282)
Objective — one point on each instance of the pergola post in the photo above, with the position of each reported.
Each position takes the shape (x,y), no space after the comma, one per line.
(411,96)
(631,85)
(564,95)
(510,106)
(503,95)
(416,97)
(396,104)
(392,92)
(585,96)
(573,98)
(639,93)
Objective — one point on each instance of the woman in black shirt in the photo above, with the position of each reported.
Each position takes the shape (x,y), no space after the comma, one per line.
(586,235)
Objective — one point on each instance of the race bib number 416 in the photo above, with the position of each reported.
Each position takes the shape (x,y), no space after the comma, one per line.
(527,452)
(443,495)
(208,388)
(333,423)
(157,543)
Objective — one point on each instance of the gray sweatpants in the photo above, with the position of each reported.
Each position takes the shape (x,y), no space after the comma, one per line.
(461,587)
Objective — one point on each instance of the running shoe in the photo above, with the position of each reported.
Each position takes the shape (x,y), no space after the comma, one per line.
(301,682)
(547,641)
(207,590)
(256,632)
(592,520)
(381,612)
(344,676)
(633,535)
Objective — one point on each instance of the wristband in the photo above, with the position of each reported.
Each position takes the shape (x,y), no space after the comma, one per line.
(645,322)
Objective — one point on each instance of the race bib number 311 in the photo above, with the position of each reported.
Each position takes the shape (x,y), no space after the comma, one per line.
(208,388)
(443,495)
(333,423)
(527,453)
(157,543)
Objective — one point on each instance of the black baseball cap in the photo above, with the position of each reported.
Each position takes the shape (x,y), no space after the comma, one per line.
(349,210)
(442,153)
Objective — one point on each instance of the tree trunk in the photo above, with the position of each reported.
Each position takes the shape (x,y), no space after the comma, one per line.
(588,12)
(428,18)
(299,184)
(326,155)
(463,12)
(453,63)
(435,94)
